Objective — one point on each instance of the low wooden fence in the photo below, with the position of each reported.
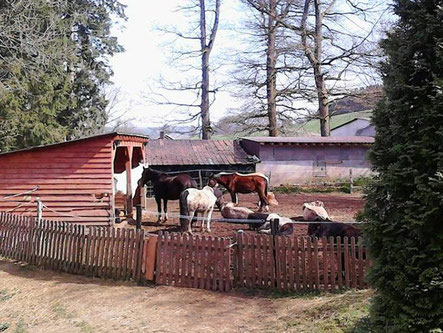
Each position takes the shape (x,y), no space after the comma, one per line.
(248,260)
(299,263)
(261,261)
(96,251)
(195,262)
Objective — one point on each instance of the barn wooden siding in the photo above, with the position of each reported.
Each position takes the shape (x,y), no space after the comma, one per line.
(74,178)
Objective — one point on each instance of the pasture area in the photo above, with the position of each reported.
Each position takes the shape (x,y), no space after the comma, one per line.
(35,300)
(340,206)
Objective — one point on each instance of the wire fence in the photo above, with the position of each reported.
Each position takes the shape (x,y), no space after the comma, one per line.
(243,221)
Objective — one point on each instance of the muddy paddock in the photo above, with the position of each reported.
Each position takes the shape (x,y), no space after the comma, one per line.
(341,207)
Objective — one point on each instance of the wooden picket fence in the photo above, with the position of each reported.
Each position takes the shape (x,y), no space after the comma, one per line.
(248,260)
(260,261)
(96,251)
(194,261)
(299,263)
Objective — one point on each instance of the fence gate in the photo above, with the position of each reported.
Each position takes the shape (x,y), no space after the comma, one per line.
(194,261)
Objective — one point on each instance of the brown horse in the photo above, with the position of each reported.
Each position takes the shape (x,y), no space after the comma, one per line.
(243,183)
(166,187)
(334,229)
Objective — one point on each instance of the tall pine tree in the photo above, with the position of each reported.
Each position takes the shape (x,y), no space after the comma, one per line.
(53,68)
(405,202)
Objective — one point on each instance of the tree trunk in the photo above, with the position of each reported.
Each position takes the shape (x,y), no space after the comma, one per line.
(271,56)
(323,102)
(206,122)
(322,92)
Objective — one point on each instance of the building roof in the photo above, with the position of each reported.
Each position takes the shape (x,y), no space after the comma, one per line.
(125,136)
(196,152)
(351,121)
(315,140)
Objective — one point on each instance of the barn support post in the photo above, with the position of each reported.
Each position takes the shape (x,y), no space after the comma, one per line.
(128,169)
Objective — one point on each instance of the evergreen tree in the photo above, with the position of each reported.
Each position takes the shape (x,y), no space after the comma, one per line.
(53,68)
(405,202)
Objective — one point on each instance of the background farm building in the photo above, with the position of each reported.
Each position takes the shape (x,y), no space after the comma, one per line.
(199,158)
(301,160)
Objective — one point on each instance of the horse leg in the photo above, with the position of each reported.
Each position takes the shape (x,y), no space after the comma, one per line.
(209,219)
(165,209)
(191,215)
(159,209)
(263,201)
(203,220)
(234,198)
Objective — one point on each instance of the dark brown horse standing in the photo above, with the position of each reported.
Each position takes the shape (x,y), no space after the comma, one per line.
(166,187)
(243,183)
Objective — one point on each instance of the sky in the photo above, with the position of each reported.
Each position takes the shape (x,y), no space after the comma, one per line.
(145,59)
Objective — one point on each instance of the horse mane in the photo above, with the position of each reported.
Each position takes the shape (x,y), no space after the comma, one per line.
(259,174)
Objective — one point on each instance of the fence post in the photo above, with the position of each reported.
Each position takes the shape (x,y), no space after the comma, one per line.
(200,178)
(138,217)
(274,229)
(351,181)
(39,209)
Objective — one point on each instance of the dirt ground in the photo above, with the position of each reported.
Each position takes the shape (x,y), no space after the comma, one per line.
(340,206)
(33,300)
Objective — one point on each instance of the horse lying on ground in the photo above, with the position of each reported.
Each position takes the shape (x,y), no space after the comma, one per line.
(243,183)
(230,211)
(194,201)
(285,227)
(334,229)
(315,211)
(165,187)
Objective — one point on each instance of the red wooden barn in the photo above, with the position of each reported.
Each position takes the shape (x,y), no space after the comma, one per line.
(73,179)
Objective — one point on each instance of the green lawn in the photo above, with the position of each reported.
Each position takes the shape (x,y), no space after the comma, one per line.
(313,126)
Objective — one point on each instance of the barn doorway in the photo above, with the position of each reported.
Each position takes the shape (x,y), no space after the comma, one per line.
(128,162)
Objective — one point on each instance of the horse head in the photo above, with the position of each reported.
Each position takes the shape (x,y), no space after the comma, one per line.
(221,178)
(147,175)
(212,181)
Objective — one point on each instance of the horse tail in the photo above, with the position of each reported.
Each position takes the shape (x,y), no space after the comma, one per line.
(184,211)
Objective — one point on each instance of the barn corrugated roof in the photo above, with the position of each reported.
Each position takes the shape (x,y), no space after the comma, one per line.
(334,140)
(196,152)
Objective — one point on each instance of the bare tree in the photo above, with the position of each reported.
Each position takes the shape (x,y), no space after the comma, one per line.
(330,47)
(203,29)
(260,70)
(116,111)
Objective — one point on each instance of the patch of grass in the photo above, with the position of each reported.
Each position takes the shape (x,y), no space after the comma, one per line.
(342,313)
(5,295)
(84,326)
(345,188)
(21,327)
(4,327)
(61,312)
(295,294)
